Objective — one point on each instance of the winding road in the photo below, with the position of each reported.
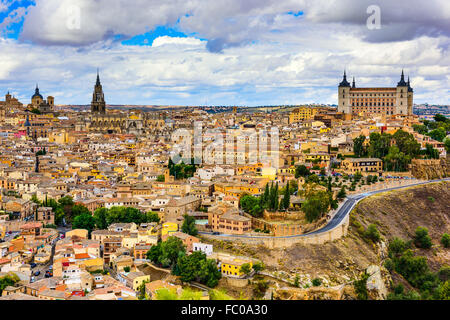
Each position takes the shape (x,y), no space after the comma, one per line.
(340,215)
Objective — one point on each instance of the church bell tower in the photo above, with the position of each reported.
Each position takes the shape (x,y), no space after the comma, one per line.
(98,104)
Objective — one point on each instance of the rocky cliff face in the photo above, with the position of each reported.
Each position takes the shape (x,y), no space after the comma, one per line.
(338,263)
(430,169)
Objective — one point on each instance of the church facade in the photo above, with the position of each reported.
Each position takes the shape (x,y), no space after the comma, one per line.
(38,102)
(133,122)
(385,101)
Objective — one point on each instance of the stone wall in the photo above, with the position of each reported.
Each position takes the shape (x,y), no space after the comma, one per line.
(430,169)
(288,241)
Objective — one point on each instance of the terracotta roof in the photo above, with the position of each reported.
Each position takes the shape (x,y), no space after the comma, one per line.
(82,256)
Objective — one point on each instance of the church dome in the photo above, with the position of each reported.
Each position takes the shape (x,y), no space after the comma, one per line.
(37,94)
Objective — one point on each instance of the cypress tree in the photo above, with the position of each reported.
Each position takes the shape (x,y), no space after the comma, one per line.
(287,197)
(275,198)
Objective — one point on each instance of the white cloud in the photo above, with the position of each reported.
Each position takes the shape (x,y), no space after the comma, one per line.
(267,56)
(166,40)
(227,23)
(183,71)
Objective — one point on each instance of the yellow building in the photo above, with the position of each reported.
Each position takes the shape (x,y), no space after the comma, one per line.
(365,166)
(92,264)
(169,227)
(317,157)
(269,173)
(302,113)
(232,267)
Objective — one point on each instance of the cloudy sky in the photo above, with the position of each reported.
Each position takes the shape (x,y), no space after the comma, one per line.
(221,52)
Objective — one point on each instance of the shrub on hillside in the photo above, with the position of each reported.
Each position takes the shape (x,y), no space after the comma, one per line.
(316,282)
(372,233)
(422,239)
(445,240)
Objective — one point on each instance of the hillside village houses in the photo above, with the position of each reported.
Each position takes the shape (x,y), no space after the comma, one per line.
(103,159)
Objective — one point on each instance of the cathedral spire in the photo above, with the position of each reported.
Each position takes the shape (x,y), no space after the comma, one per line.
(353,84)
(98,104)
(344,82)
(98,78)
(402,82)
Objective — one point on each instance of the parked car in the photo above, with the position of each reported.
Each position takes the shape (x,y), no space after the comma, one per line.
(37,273)
(32,279)
(48,274)
(50,268)
(33,265)
(215,233)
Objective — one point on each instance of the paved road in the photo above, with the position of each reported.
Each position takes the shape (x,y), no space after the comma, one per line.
(342,213)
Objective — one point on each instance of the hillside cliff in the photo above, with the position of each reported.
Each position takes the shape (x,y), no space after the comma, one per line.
(338,263)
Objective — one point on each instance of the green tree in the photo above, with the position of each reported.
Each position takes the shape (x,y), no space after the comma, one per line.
(444,291)
(316,282)
(438,134)
(100,216)
(141,290)
(166,294)
(171,249)
(245,268)
(358,146)
(189,225)
(154,253)
(265,197)
(396,160)
(210,274)
(216,294)
(257,267)
(430,152)
(286,198)
(189,266)
(312,179)
(316,205)
(152,217)
(297,281)
(361,287)
(440,118)
(251,205)
(301,171)
(79,209)
(342,193)
(397,246)
(422,129)
(7,280)
(84,221)
(273,203)
(422,239)
(189,294)
(445,240)
(379,145)
(406,143)
(447,144)
(36,200)
(196,267)
(161,178)
(372,233)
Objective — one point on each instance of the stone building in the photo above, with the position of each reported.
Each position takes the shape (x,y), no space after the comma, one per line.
(385,101)
(133,122)
(38,102)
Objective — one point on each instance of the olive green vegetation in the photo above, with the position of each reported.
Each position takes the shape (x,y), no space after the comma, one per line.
(194,267)
(395,150)
(415,270)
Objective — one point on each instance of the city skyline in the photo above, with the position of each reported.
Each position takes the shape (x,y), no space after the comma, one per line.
(264,53)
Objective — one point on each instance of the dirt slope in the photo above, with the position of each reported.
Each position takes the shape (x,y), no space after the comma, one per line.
(396,214)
